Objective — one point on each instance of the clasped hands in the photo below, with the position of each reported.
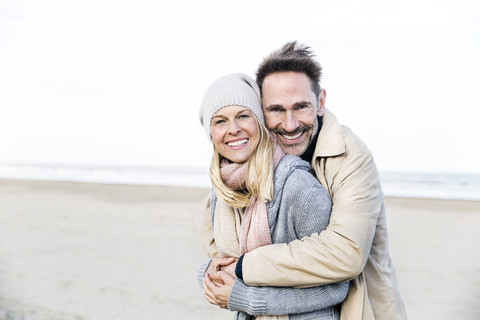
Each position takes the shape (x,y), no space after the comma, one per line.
(218,281)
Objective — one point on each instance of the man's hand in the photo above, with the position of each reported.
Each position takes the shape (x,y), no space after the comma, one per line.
(230,268)
(225,264)
(218,294)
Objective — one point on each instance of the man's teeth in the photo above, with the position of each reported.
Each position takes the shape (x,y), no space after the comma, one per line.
(292,137)
(237,143)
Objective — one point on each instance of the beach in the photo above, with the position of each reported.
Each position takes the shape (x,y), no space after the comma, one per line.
(109,251)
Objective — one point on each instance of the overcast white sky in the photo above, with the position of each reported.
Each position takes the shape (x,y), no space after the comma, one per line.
(120,82)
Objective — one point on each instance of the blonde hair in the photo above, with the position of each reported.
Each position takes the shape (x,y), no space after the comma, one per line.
(259,180)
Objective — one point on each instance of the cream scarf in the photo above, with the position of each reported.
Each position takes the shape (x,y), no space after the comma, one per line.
(238,232)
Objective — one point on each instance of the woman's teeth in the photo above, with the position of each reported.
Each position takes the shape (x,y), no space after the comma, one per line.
(237,143)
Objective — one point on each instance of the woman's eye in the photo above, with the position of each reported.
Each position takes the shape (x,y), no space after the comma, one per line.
(217,122)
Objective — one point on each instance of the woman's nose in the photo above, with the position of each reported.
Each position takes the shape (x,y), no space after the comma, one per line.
(234,128)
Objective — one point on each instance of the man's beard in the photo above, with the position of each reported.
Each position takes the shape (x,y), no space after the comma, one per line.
(297,149)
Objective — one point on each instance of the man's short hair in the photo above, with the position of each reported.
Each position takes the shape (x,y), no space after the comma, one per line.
(291,57)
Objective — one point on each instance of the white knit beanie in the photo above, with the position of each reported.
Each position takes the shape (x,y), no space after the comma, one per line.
(233,89)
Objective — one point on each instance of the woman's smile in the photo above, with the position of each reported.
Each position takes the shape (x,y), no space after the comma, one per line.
(237,143)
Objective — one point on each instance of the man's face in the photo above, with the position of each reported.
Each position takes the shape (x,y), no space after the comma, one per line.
(291,108)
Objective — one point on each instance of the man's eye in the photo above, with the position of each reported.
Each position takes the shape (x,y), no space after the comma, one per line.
(275,110)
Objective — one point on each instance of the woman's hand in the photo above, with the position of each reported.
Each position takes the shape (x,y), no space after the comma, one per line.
(215,293)
(224,264)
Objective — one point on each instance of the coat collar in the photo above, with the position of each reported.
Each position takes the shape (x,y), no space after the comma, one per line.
(330,139)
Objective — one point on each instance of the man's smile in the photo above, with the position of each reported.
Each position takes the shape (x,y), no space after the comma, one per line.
(292,137)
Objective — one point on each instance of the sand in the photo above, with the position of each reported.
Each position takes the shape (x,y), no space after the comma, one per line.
(97,251)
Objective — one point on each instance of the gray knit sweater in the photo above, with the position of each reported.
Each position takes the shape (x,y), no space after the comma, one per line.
(300,207)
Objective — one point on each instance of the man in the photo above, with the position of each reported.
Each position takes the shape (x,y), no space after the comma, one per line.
(355,244)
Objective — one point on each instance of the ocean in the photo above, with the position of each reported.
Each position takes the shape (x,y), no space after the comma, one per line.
(452,186)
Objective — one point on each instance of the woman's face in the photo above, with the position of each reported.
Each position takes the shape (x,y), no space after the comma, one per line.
(235,133)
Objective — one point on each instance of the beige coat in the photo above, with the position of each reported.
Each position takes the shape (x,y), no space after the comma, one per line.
(353,247)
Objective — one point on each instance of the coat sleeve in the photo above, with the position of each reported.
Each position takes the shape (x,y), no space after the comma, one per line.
(338,253)
(204,226)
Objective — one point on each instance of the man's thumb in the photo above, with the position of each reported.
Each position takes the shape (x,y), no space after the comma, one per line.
(226,277)
(227,261)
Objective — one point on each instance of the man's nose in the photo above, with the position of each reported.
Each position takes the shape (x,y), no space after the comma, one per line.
(290,123)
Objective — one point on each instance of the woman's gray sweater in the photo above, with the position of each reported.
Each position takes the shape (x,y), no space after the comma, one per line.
(300,207)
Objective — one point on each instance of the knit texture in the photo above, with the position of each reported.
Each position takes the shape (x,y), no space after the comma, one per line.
(300,207)
(233,174)
(234,233)
(226,229)
(233,89)
(253,226)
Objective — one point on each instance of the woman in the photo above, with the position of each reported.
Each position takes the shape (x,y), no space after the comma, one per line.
(261,196)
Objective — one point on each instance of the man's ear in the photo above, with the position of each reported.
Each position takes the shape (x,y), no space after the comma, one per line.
(321,102)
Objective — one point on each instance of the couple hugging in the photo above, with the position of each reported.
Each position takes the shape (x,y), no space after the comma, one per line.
(295,224)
